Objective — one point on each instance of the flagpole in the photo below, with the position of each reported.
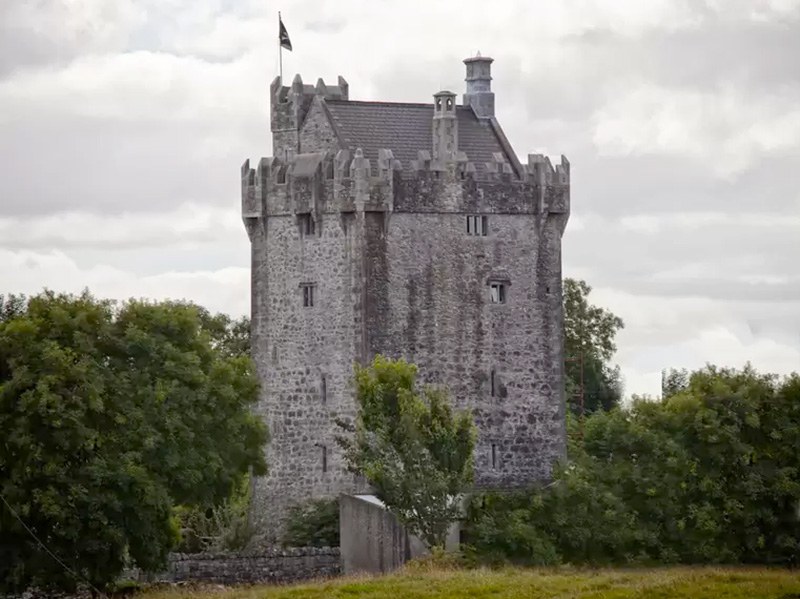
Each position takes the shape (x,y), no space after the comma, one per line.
(280,50)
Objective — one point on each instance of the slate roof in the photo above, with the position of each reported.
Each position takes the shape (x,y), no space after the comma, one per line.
(407,128)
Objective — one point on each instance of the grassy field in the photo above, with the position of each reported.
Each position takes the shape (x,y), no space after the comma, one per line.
(666,583)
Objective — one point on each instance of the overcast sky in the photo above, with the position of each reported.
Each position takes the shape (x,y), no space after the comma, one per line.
(123,124)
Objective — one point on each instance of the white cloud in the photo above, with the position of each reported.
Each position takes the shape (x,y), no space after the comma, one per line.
(727,130)
(185,226)
(29,272)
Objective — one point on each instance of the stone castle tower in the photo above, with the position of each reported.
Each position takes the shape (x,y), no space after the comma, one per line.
(409,230)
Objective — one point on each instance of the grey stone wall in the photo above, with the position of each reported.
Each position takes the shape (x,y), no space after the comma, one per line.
(439,316)
(395,272)
(266,566)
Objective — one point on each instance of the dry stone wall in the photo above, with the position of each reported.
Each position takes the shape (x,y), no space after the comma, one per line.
(266,566)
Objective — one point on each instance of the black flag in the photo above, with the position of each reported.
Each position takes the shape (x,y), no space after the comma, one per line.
(283,36)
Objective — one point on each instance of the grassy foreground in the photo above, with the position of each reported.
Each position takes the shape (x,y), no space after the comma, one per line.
(666,583)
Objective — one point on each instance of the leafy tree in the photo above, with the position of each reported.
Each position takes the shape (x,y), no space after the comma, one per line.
(708,475)
(111,415)
(11,306)
(673,382)
(229,336)
(589,333)
(414,451)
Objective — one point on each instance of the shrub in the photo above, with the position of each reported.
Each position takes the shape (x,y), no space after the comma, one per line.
(313,524)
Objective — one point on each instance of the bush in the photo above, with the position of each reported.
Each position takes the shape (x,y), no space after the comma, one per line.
(313,524)
(708,475)
(222,527)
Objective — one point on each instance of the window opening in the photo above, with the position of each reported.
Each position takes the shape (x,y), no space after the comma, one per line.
(494,456)
(324,389)
(478,225)
(308,295)
(491,378)
(324,458)
(307,224)
(497,293)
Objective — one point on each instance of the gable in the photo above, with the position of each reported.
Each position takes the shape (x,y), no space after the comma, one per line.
(317,134)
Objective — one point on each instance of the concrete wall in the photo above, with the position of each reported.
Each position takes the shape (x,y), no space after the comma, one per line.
(372,540)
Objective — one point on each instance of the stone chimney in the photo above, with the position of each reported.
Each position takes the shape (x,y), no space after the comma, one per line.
(445,126)
(479,86)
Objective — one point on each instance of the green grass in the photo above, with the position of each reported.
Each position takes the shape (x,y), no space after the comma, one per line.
(660,583)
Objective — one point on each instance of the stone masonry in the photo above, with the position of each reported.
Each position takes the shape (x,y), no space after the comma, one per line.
(409,230)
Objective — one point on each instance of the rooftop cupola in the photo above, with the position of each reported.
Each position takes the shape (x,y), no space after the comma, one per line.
(445,126)
(479,85)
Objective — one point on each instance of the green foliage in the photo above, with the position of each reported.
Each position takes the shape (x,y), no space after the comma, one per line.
(411,447)
(313,524)
(11,306)
(110,416)
(216,527)
(709,475)
(589,332)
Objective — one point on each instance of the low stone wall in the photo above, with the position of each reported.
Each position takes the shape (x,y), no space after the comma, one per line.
(265,566)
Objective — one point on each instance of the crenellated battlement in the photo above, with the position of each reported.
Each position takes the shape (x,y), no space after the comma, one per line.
(326,182)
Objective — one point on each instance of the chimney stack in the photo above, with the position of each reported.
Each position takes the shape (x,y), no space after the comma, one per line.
(479,86)
(445,127)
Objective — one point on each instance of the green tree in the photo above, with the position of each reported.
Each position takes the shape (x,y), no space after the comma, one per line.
(111,416)
(589,333)
(11,306)
(673,382)
(229,336)
(411,447)
(708,475)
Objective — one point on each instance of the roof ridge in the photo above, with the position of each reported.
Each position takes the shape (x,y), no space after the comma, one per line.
(379,103)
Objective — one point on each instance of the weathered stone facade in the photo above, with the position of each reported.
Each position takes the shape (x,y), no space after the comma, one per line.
(448,254)
(265,566)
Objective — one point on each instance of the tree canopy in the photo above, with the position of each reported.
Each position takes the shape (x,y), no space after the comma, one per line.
(111,416)
(710,474)
(589,335)
(411,447)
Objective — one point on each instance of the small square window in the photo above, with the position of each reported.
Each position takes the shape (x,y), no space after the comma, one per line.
(308,294)
(497,293)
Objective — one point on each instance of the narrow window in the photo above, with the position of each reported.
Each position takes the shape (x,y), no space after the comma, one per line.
(324,458)
(491,380)
(307,225)
(329,170)
(308,295)
(478,225)
(281,175)
(497,293)
(494,456)
(324,392)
